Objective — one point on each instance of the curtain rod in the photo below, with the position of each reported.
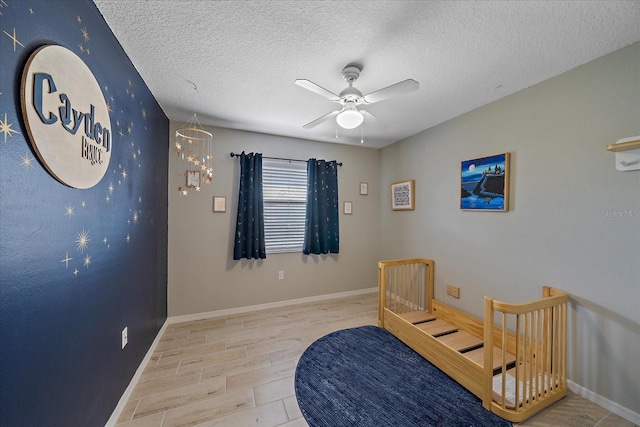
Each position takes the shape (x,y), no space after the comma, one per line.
(278,158)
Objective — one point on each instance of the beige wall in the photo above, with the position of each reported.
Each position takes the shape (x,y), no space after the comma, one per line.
(574,221)
(202,274)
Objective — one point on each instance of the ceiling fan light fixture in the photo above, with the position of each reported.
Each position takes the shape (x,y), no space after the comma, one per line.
(350,119)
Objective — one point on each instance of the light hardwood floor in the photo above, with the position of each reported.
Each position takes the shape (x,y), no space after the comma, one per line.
(238,370)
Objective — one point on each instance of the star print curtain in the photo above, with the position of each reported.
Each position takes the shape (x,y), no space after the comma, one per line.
(249,239)
(321,234)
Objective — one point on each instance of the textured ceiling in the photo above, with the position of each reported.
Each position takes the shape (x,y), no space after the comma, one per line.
(244,56)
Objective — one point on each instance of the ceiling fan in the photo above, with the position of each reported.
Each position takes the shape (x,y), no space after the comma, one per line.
(350,116)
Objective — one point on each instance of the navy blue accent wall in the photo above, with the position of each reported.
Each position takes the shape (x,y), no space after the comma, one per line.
(77,266)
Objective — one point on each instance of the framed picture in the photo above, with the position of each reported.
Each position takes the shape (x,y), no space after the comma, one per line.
(402,195)
(193,179)
(219,204)
(348,206)
(364,188)
(484,183)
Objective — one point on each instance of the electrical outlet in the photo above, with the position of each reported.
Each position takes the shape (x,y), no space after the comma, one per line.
(280,275)
(124,337)
(453,291)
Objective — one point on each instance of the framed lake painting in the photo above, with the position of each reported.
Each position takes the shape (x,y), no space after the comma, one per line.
(484,183)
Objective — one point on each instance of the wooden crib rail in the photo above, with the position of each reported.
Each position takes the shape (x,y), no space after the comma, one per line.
(536,333)
(404,285)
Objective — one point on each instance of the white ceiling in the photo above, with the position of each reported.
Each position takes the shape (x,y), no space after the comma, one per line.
(244,56)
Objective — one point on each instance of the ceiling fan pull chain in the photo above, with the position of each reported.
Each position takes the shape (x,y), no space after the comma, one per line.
(336,130)
(362,133)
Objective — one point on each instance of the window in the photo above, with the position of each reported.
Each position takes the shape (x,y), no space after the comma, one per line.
(284,186)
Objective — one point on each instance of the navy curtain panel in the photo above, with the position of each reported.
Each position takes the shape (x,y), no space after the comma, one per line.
(249,239)
(321,233)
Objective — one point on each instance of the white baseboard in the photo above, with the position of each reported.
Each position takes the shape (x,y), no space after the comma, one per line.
(199,316)
(574,387)
(604,402)
(134,381)
(250,308)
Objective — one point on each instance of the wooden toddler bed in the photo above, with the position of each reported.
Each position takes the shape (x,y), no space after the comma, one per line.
(515,360)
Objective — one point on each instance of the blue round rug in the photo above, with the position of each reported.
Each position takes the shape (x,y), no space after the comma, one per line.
(366,377)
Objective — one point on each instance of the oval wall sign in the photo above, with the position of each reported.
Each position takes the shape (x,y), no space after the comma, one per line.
(66,116)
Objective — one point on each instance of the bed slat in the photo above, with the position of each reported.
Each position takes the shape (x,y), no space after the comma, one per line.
(415,317)
(461,341)
(478,357)
(437,327)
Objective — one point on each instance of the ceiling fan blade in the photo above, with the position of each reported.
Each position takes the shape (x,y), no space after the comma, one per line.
(309,85)
(400,88)
(326,117)
(370,119)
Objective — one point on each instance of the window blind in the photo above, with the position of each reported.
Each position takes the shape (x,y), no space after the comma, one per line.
(284,186)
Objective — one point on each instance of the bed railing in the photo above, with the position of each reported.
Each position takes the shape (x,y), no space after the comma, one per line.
(404,285)
(536,333)
(528,341)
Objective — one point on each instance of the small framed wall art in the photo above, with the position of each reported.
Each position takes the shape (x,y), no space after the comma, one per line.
(219,204)
(364,188)
(348,208)
(193,179)
(484,183)
(403,195)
